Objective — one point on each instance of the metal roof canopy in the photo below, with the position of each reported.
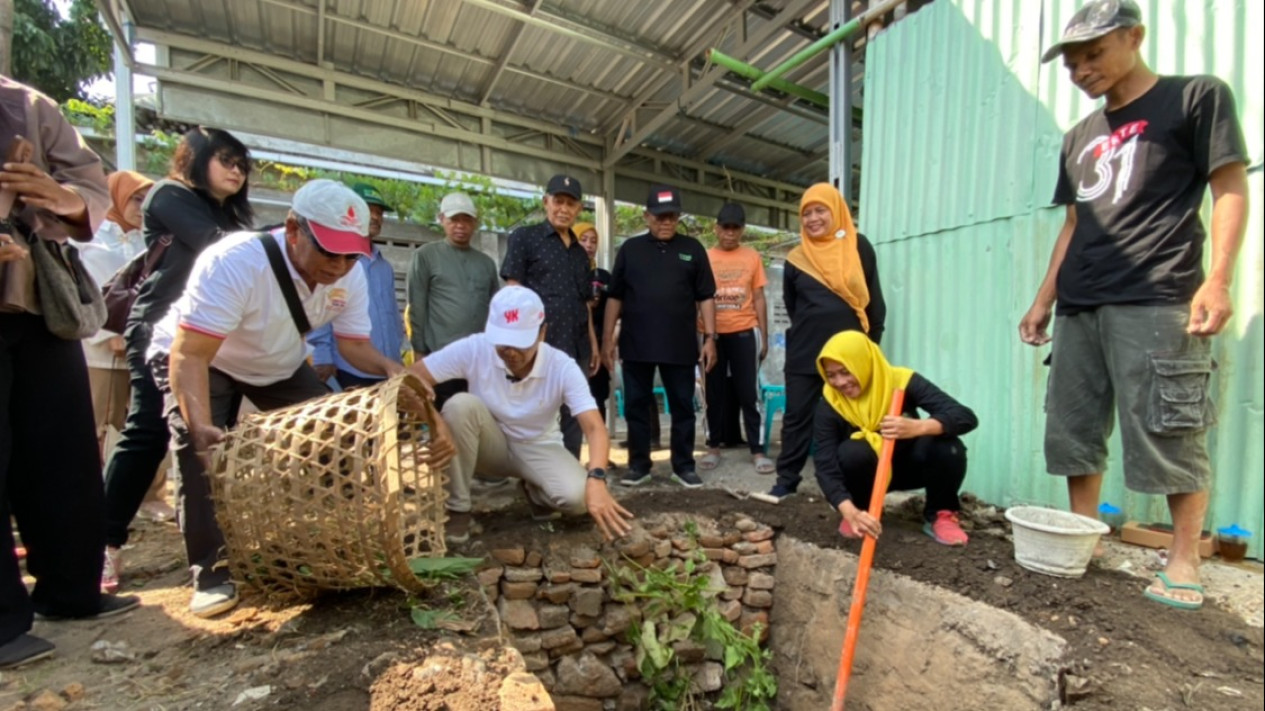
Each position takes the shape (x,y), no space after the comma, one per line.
(617,94)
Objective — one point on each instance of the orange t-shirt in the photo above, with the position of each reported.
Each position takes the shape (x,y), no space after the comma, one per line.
(738,274)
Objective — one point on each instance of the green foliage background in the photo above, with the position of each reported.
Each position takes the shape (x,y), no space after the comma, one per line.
(59,57)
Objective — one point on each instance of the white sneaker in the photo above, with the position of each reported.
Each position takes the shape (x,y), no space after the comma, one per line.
(110,570)
(158,511)
(213,601)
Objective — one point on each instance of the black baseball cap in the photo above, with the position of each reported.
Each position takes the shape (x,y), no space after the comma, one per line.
(1094,20)
(731,213)
(564,185)
(663,199)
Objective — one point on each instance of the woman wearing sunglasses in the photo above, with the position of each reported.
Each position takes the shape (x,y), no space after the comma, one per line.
(203,197)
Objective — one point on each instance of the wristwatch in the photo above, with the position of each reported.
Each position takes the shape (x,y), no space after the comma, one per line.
(711,336)
(597,473)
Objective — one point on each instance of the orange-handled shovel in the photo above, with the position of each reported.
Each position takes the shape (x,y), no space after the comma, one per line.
(881,479)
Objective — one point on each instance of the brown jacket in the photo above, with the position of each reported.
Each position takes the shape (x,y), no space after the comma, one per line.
(60,152)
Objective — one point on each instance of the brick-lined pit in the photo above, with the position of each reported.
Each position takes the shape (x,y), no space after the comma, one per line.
(556,604)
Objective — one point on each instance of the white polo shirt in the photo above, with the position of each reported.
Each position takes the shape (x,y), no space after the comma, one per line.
(233,294)
(527,410)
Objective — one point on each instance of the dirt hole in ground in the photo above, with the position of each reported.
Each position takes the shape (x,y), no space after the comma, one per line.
(954,628)
(920,646)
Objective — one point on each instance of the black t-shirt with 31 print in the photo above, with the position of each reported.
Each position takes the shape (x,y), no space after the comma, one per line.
(1137,177)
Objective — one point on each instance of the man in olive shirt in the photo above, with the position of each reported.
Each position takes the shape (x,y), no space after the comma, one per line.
(450,286)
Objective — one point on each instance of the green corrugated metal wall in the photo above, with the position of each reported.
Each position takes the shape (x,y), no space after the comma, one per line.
(962,133)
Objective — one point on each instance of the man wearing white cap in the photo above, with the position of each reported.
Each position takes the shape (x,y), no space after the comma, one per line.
(450,284)
(238,330)
(507,424)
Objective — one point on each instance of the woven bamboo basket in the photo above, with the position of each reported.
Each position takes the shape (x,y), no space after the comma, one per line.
(329,494)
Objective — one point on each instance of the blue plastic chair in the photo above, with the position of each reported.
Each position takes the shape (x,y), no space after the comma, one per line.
(619,401)
(774,399)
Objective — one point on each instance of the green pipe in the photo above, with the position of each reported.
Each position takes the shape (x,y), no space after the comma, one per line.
(822,45)
(747,71)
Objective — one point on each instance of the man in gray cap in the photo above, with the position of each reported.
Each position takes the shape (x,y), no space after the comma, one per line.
(450,285)
(1136,310)
(549,259)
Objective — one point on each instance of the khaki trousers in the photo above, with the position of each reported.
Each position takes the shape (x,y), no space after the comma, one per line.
(553,476)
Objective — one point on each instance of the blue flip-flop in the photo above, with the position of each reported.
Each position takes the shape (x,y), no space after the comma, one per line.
(1169,585)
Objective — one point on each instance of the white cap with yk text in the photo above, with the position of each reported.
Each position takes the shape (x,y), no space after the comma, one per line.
(455,204)
(338,217)
(514,317)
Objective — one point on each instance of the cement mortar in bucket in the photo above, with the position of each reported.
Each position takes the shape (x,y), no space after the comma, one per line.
(1054,542)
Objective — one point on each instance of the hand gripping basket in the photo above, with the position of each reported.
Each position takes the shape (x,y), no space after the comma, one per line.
(329,494)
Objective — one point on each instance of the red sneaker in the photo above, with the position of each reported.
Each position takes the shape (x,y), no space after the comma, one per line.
(946,529)
(847,531)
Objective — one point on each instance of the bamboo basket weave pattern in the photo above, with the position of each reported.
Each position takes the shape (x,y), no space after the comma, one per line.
(329,495)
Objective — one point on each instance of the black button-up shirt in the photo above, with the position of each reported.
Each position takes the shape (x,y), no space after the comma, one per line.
(537,258)
(660,283)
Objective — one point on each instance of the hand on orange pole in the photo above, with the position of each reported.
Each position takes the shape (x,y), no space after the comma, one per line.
(882,476)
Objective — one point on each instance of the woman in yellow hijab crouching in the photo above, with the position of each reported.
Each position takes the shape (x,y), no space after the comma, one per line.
(851,423)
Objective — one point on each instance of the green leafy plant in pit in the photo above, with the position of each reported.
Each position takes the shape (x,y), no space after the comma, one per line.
(436,569)
(679,604)
(440,571)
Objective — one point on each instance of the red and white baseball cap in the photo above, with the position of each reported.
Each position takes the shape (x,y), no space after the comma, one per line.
(339,218)
(514,317)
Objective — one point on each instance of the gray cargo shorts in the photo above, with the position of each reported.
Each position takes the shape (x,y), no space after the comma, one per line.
(1140,361)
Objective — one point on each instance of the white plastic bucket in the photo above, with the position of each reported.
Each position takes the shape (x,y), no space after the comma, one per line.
(1054,542)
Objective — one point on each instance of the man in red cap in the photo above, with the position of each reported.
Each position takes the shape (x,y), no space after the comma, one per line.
(238,330)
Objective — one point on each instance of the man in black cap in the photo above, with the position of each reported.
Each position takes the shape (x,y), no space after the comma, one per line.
(1136,310)
(549,259)
(742,338)
(661,283)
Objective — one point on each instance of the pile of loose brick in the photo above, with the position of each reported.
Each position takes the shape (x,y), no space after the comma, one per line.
(556,605)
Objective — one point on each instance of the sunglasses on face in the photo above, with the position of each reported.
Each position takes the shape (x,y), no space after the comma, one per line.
(230,162)
(325,252)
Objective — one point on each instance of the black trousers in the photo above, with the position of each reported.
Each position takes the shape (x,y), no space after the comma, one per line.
(737,359)
(802,393)
(600,388)
(203,540)
(572,435)
(447,389)
(678,385)
(937,464)
(134,461)
(347,380)
(50,477)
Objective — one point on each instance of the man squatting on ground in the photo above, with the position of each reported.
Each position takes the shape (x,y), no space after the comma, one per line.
(1136,312)
(231,333)
(507,423)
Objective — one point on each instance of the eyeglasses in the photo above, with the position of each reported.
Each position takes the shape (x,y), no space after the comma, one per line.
(307,230)
(230,162)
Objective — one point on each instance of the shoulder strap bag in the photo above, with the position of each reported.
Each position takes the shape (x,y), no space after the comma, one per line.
(286,282)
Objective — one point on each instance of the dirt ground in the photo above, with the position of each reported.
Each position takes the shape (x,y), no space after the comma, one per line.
(360,651)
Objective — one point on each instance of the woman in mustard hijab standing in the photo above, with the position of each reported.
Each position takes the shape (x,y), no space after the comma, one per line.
(829,284)
(851,423)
